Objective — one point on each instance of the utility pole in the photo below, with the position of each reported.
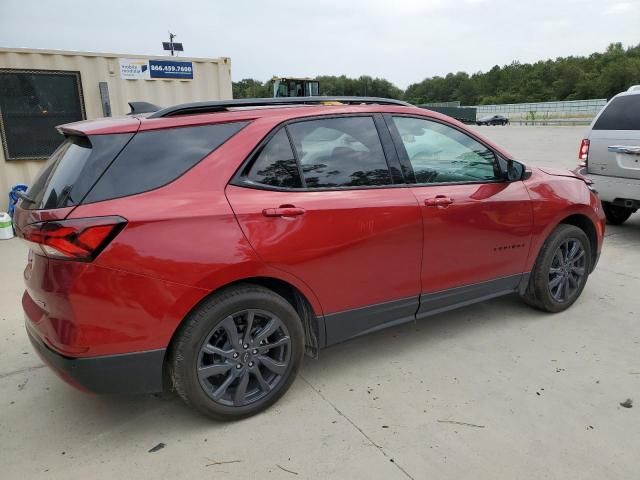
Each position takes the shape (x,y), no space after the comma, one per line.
(172,46)
(171,37)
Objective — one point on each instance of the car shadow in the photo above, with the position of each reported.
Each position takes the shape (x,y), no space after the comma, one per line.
(110,411)
(630,230)
(420,335)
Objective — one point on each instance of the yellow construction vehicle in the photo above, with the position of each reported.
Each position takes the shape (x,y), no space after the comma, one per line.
(295,87)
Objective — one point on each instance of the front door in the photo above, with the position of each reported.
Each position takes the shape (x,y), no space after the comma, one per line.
(320,202)
(477,226)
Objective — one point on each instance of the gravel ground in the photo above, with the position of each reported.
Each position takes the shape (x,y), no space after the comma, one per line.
(495,390)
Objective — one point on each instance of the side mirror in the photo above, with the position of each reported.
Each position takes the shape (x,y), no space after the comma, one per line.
(514,171)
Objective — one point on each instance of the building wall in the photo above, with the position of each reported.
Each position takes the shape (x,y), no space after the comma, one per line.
(211,81)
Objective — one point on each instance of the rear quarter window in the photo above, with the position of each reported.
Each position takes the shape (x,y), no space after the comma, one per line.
(622,113)
(72,170)
(157,157)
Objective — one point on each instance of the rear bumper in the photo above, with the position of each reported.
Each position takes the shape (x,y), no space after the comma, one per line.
(139,372)
(611,188)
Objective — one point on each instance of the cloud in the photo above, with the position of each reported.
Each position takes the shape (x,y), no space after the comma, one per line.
(618,8)
(403,41)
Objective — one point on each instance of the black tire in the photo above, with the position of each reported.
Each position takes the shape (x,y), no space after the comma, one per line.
(204,345)
(616,215)
(550,267)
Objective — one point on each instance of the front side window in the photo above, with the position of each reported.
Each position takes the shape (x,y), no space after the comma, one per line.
(441,154)
(340,152)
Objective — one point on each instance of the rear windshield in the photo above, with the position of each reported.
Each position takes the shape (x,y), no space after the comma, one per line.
(102,167)
(72,170)
(623,113)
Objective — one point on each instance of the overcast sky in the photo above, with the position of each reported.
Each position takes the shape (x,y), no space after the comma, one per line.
(403,41)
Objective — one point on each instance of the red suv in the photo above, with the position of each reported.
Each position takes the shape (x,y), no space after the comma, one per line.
(205,247)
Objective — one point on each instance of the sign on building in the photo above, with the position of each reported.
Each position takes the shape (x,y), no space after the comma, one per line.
(135,68)
(171,69)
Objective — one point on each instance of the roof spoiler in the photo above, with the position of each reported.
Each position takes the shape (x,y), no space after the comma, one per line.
(142,107)
(223,105)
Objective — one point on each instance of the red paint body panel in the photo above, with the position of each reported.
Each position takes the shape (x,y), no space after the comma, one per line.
(484,234)
(350,248)
(553,199)
(82,309)
(102,126)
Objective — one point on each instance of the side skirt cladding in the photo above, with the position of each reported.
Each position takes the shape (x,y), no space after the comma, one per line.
(342,326)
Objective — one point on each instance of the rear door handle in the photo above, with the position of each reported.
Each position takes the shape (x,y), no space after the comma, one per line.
(438,201)
(283,211)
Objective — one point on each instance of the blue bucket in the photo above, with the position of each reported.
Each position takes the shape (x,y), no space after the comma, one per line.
(13,197)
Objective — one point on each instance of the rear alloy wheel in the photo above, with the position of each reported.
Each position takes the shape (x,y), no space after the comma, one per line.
(561,270)
(616,215)
(244,357)
(238,353)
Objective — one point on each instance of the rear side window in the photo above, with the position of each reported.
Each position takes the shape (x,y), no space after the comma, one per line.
(327,153)
(623,113)
(340,152)
(276,165)
(154,158)
(72,170)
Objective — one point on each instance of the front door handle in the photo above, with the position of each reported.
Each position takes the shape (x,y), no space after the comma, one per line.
(283,211)
(438,201)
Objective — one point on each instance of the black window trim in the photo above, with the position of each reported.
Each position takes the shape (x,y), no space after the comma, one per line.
(406,163)
(240,177)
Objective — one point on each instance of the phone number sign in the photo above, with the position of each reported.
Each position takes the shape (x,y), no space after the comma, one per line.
(170,69)
(142,69)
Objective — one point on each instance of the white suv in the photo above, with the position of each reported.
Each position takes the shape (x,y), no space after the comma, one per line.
(610,155)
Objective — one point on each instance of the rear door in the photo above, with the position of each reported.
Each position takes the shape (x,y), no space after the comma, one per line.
(323,200)
(477,227)
(614,147)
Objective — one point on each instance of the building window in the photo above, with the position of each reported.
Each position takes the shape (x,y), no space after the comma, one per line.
(32,104)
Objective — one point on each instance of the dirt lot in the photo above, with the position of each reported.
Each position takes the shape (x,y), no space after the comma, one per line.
(492,391)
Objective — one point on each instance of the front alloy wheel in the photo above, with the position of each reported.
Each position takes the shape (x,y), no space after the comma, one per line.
(561,270)
(568,267)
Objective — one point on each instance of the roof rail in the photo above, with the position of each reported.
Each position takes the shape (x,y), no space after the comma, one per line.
(222,105)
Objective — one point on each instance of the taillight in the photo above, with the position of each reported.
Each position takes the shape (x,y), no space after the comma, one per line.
(583,153)
(79,239)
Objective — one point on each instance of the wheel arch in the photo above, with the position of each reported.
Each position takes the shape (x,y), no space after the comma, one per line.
(312,323)
(585,224)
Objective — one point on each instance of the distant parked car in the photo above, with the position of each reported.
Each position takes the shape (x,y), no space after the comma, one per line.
(610,155)
(493,120)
